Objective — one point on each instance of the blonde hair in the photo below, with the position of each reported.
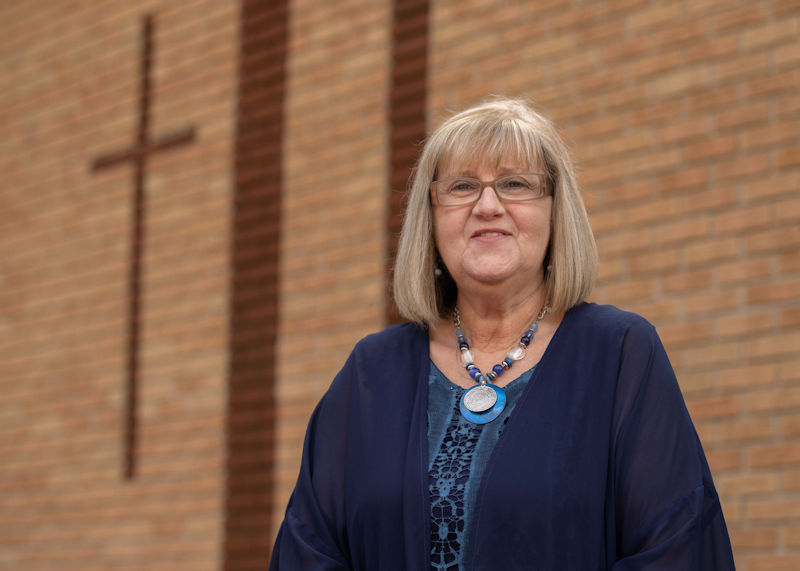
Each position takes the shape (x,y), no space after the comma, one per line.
(498,129)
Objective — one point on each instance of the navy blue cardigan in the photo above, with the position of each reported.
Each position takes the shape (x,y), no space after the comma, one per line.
(598,468)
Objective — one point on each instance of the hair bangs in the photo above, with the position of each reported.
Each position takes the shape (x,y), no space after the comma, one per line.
(493,144)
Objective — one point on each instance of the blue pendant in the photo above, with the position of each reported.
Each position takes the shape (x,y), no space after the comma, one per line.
(488,415)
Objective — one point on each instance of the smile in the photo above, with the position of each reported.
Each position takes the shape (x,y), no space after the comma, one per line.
(489,233)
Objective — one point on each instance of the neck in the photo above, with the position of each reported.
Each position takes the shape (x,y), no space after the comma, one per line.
(493,322)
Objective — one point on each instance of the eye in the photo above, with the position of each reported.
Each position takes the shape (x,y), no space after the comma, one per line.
(518,183)
(462,186)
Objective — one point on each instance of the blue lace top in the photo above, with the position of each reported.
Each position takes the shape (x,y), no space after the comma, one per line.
(458,452)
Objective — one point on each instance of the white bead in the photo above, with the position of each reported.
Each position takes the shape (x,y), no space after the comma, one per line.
(467,356)
(517,353)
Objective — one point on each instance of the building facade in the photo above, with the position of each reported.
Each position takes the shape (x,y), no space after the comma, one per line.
(199,201)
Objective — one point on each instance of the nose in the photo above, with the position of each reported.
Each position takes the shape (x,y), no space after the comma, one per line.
(489,203)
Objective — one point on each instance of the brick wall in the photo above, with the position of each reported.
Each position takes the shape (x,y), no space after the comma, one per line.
(685,121)
(69,94)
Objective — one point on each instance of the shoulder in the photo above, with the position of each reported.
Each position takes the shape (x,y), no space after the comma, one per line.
(609,323)
(397,350)
(395,340)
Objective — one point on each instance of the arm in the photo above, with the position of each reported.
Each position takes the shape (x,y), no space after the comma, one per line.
(668,515)
(312,535)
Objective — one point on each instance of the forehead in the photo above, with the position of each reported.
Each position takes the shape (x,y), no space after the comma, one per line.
(474,162)
(472,151)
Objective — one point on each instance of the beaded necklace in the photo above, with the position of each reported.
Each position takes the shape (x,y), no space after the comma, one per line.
(485,401)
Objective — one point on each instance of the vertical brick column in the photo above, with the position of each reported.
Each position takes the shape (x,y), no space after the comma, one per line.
(407,116)
(255,248)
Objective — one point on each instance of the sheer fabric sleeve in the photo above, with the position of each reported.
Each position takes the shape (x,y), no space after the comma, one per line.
(668,515)
(312,535)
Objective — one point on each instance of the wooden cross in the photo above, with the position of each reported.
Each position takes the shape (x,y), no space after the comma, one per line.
(137,155)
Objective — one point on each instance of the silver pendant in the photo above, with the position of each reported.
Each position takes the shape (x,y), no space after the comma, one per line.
(488,414)
(480,398)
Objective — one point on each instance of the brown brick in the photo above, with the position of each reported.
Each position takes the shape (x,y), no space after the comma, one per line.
(744,271)
(791,535)
(739,116)
(608,220)
(788,157)
(771,33)
(646,18)
(787,210)
(791,479)
(770,187)
(742,219)
(658,63)
(747,430)
(687,280)
(773,455)
(655,310)
(782,238)
(699,382)
(772,84)
(744,376)
(714,407)
(774,510)
(787,56)
(682,230)
(774,345)
(770,135)
(789,262)
(654,210)
(711,99)
(790,426)
(785,562)
(664,261)
(679,334)
(738,171)
(724,461)
(782,7)
(735,69)
(708,302)
(790,317)
(689,178)
(736,17)
(747,484)
(632,290)
(680,132)
(775,400)
(774,292)
(789,370)
(744,324)
(624,242)
(711,251)
(788,106)
(686,80)
(611,268)
(753,538)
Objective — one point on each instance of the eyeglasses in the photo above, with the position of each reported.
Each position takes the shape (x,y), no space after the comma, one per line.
(509,188)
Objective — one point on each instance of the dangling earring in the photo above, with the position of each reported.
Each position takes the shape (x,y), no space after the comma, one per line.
(437,270)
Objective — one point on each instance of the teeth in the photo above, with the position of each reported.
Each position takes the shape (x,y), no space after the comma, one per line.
(491,234)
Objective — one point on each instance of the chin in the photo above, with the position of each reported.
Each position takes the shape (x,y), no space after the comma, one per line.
(490,275)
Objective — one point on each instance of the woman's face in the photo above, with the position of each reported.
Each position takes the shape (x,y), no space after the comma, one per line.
(490,242)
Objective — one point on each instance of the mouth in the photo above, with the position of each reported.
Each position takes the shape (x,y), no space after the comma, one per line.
(489,233)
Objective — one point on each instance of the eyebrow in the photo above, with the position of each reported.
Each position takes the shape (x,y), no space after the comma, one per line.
(501,171)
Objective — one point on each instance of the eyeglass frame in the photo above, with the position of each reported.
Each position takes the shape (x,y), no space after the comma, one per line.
(547,190)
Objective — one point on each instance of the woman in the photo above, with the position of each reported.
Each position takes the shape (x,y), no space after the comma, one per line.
(511,425)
